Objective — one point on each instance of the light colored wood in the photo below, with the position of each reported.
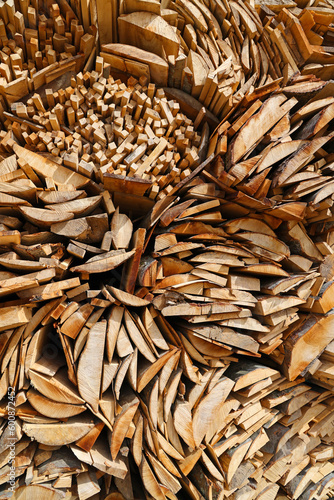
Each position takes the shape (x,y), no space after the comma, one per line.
(278,108)
(158,67)
(53,409)
(47,168)
(53,434)
(90,365)
(105,262)
(14,317)
(150,253)
(294,367)
(133,29)
(45,218)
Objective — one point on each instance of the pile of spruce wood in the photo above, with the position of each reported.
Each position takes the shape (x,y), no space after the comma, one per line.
(179,345)
(217,50)
(40,41)
(128,136)
(166,263)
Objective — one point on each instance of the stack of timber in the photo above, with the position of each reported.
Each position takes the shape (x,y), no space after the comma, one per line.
(217,51)
(39,41)
(303,34)
(167,295)
(215,55)
(178,351)
(129,136)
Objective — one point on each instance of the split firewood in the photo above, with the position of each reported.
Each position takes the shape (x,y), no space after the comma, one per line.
(166,250)
(156,375)
(39,44)
(136,141)
(218,54)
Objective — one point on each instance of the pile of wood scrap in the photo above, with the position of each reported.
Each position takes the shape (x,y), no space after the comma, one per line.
(277,168)
(237,284)
(262,434)
(215,55)
(129,136)
(184,350)
(39,42)
(220,52)
(166,259)
(303,35)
